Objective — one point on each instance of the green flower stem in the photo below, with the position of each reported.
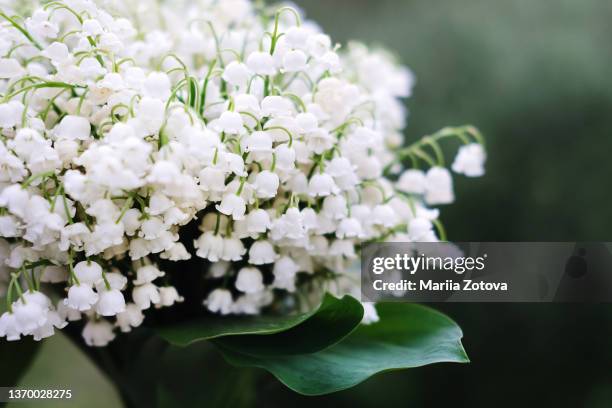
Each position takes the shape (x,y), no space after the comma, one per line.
(217,223)
(441,230)
(126,206)
(73,276)
(273,166)
(34,177)
(415,149)
(284,130)
(21,30)
(204,89)
(297,100)
(436,148)
(242,181)
(7,97)
(259,127)
(106,282)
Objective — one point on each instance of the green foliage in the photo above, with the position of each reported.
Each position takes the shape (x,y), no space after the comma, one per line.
(346,310)
(327,350)
(407,336)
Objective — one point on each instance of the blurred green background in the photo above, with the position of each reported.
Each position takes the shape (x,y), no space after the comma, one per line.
(534,76)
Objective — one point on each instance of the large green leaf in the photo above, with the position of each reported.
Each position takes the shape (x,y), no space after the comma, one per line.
(407,335)
(214,327)
(333,321)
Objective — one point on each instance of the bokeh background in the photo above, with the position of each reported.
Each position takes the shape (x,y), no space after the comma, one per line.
(534,76)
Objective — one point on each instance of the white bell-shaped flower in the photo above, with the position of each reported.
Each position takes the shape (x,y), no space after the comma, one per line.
(110,303)
(370,315)
(236,73)
(439,186)
(257,142)
(266,184)
(30,312)
(88,272)
(54,320)
(131,317)
(231,123)
(258,221)
(212,179)
(470,160)
(10,113)
(168,296)
(412,181)
(57,52)
(233,249)
(285,270)
(9,327)
(92,27)
(147,274)
(232,205)
(157,85)
(420,230)
(321,185)
(249,280)
(81,297)
(209,246)
(262,252)
(276,106)
(349,228)
(10,68)
(145,295)
(261,63)
(98,333)
(294,61)
(219,301)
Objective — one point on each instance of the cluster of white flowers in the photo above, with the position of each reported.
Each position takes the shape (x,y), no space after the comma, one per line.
(117,132)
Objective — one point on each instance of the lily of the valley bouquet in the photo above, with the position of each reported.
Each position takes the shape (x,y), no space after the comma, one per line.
(221,161)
